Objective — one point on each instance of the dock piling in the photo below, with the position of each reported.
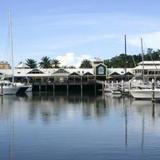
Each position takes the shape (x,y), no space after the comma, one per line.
(1,90)
(153,90)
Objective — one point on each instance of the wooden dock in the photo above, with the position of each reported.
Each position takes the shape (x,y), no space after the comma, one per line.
(81,86)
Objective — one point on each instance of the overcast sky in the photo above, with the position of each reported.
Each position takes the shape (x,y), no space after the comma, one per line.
(72,30)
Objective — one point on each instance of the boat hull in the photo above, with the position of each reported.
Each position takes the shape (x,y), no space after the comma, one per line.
(145,93)
(22,90)
(13,90)
(9,90)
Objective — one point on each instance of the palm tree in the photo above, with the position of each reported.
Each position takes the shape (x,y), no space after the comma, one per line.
(31,63)
(45,62)
(55,63)
(86,64)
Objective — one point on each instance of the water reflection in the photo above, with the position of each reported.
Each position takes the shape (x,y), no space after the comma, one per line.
(105,125)
(90,107)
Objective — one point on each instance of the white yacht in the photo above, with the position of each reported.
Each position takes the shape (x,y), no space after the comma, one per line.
(145,93)
(144,90)
(9,88)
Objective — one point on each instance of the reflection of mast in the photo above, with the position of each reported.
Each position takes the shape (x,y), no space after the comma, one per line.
(11,138)
(126,124)
(1,100)
(126,128)
(143,127)
(153,110)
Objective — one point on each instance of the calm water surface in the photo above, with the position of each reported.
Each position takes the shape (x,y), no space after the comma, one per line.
(46,127)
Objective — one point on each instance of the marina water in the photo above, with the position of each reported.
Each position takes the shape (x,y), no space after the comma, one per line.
(48,127)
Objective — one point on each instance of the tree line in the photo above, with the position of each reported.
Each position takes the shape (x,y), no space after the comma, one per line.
(120,61)
(47,62)
(130,61)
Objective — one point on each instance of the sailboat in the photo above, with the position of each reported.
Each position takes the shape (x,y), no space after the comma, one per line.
(7,87)
(145,91)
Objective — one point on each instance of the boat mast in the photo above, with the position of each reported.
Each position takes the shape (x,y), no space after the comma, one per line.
(11,44)
(142,50)
(125,49)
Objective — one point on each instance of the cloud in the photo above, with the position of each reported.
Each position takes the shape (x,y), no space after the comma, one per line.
(151,40)
(72,59)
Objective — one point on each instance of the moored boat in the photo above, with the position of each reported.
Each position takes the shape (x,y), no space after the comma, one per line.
(145,93)
(9,88)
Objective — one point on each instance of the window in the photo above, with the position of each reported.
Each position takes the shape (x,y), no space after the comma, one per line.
(101,70)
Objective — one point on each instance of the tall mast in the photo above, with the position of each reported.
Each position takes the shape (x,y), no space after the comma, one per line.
(11,43)
(125,49)
(142,50)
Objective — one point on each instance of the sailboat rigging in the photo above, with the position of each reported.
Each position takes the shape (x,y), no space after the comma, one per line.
(7,86)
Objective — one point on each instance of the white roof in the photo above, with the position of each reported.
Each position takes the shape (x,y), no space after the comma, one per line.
(120,71)
(148,67)
(149,63)
(45,72)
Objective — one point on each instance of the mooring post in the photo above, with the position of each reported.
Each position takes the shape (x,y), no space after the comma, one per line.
(81,87)
(39,86)
(153,90)
(53,89)
(95,89)
(130,86)
(46,87)
(102,88)
(153,110)
(1,89)
(122,85)
(81,90)
(67,89)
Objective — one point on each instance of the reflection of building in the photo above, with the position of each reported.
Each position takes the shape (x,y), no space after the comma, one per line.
(4,65)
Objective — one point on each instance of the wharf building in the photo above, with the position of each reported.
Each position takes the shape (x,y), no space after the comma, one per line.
(4,65)
(82,80)
(78,79)
(149,69)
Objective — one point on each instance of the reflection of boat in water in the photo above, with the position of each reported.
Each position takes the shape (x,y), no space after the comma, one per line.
(141,103)
(118,95)
(116,92)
